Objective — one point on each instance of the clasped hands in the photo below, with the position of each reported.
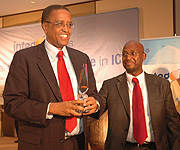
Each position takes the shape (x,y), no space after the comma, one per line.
(72,108)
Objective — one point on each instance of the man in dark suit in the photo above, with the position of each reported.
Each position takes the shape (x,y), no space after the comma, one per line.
(32,92)
(161,130)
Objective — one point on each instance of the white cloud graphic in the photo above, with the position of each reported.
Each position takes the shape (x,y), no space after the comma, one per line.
(166,55)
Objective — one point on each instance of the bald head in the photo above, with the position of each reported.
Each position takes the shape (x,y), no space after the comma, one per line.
(134,43)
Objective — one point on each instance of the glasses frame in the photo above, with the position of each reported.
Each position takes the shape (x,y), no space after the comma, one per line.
(61,24)
(132,54)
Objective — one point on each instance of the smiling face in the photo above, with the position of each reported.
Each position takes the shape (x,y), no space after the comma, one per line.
(58,36)
(133,57)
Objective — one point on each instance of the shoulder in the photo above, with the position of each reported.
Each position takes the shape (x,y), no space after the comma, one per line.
(31,51)
(174,82)
(116,79)
(158,80)
(76,52)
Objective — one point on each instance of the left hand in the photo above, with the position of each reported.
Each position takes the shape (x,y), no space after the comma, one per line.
(90,104)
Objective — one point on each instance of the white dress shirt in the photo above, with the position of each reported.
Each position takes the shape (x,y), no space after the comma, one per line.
(142,84)
(52,52)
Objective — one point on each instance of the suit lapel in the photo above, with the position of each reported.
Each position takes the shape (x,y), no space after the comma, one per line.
(46,69)
(123,92)
(76,62)
(151,87)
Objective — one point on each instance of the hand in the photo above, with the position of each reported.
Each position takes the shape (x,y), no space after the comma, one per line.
(90,104)
(68,108)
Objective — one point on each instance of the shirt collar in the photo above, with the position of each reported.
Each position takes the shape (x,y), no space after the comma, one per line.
(53,51)
(140,77)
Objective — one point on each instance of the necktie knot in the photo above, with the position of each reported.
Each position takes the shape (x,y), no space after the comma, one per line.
(60,54)
(135,80)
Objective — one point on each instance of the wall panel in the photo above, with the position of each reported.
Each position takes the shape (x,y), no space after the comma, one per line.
(34,17)
(82,9)
(1,22)
(156,17)
(21,19)
(177,17)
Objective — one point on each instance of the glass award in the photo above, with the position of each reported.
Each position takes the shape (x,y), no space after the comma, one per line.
(83,84)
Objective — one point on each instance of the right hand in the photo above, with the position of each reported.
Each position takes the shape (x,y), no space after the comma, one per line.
(68,108)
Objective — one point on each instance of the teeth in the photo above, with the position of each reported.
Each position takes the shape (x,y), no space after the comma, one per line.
(63,36)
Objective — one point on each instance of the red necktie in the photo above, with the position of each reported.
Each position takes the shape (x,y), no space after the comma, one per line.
(66,89)
(139,124)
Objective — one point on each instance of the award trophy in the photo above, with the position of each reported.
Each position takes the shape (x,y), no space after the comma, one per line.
(83,84)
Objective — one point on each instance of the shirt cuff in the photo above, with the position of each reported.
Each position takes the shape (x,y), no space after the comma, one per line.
(97,109)
(48,116)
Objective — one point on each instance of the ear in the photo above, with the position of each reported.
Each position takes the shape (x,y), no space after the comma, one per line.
(144,56)
(44,26)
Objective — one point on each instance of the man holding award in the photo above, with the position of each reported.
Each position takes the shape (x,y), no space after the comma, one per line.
(41,89)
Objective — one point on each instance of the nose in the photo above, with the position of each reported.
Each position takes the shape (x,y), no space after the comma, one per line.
(65,28)
(128,56)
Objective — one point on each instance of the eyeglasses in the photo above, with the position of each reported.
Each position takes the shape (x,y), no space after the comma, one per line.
(133,54)
(61,24)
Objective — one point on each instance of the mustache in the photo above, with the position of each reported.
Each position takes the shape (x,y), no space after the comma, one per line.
(129,61)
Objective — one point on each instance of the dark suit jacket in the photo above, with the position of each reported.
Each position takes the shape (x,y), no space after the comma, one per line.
(164,117)
(30,86)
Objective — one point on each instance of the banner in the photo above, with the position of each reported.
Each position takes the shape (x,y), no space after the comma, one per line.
(163,57)
(101,36)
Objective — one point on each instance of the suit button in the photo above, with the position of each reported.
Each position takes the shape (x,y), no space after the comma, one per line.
(126,130)
(62,140)
(63,120)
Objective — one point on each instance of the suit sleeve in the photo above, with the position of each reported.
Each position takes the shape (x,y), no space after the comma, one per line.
(91,80)
(18,105)
(101,97)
